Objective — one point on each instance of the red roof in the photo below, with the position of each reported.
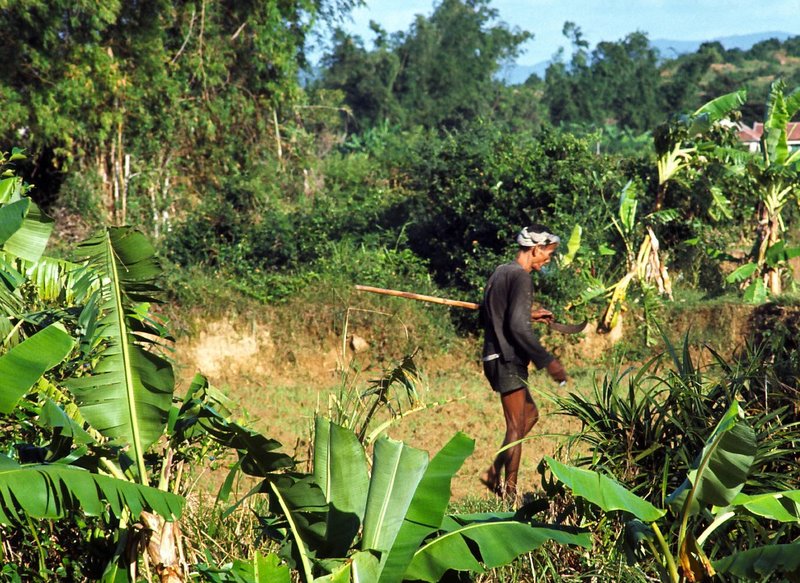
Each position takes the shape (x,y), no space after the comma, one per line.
(753,134)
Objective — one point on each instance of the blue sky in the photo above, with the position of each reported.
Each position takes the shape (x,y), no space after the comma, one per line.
(603,19)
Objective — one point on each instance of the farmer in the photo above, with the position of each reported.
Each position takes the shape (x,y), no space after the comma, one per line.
(510,344)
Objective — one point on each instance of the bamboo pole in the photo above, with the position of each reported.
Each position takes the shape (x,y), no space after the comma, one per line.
(420,297)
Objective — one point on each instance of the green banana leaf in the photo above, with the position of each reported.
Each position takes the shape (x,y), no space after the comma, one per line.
(603,491)
(720,471)
(340,470)
(53,490)
(573,245)
(362,567)
(780,506)
(715,110)
(774,139)
(760,563)
(12,215)
(498,543)
(628,201)
(301,503)
(258,569)
(396,472)
(127,396)
(30,239)
(200,414)
(742,273)
(428,507)
(24,364)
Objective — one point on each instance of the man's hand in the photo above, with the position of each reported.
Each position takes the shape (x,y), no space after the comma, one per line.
(541,315)
(556,371)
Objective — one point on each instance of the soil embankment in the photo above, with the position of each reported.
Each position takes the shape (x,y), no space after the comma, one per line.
(282,379)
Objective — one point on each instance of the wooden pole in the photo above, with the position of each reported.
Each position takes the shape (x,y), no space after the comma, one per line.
(420,297)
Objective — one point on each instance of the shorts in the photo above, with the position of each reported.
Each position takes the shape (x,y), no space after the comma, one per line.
(505,377)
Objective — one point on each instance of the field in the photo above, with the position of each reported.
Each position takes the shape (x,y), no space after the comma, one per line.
(281,382)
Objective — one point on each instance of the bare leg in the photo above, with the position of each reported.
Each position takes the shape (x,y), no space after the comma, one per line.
(521,415)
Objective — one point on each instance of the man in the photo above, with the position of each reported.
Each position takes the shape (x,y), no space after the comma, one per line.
(510,344)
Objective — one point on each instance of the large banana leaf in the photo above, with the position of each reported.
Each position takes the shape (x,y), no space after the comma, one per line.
(302,504)
(200,414)
(720,471)
(12,216)
(24,364)
(601,490)
(761,563)
(498,543)
(781,506)
(340,470)
(128,394)
(774,139)
(30,239)
(52,490)
(396,472)
(362,567)
(259,569)
(716,109)
(428,507)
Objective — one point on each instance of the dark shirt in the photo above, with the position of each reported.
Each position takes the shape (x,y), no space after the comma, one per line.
(506,313)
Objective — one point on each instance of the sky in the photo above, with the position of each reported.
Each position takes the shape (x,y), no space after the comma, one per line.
(601,20)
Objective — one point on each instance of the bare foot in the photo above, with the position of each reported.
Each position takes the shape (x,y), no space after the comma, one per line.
(489,479)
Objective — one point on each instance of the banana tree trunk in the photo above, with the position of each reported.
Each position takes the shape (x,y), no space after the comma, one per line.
(769,233)
(163,548)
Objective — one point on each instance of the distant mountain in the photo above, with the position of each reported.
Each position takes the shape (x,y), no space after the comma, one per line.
(672,48)
(514,74)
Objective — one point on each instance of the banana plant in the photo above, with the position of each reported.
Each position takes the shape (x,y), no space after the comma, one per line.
(344,523)
(643,263)
(710,496)
(775,171)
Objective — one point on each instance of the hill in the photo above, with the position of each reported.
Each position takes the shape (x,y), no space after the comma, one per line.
(515,74)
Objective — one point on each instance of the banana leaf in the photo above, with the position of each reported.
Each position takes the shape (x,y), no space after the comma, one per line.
(24,364)
(200,414)
(30,239)
(601,490)
(340,470)
(498,542)
(428,507)
(780,506)
(760,563)
(396,472)
(127,395)
(573,245)
(719,473)
(259,569)
(362,567)
(715,110)
(53,490)
(12,215)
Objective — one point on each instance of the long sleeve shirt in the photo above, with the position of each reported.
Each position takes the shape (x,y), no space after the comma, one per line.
(506,316)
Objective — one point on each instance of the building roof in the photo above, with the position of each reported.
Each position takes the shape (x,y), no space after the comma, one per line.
(753,134)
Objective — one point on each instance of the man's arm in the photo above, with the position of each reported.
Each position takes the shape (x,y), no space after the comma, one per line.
(522,334)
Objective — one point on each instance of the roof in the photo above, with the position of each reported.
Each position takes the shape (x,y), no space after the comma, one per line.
(753,134)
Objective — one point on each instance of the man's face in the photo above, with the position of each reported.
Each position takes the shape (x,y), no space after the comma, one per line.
(542,254)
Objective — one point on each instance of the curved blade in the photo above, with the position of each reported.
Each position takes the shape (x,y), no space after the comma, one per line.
(568,328)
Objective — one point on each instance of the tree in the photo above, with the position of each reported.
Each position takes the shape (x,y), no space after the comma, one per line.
(440,72)
(775,172)
(136,96)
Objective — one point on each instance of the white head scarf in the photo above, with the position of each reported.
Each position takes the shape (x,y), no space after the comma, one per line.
(528,238)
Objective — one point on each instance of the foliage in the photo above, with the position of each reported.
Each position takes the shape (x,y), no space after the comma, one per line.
(479,186)
(439,73)
(710,495)
(399,509)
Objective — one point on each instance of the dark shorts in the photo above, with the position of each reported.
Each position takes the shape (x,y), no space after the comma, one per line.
(505,377)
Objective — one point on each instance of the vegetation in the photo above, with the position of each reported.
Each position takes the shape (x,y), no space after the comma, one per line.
(176,139)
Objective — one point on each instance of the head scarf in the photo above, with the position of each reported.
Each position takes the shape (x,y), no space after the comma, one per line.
(527,238)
